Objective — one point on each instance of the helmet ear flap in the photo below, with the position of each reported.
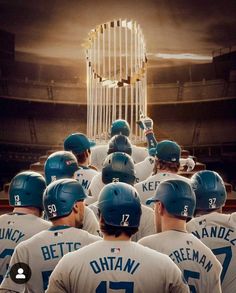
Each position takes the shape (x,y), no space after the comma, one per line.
(209,189)
(61,164)
(61,196)
(119,167)
(119,205)
(26,189)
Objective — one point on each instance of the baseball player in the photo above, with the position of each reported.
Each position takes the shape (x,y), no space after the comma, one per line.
(63,164)
(214,229)
(64,206)
(175,202)
(118,126)
(80,146)
(120,167)
(166,167)
(25,195)
(116,263)
(121,143)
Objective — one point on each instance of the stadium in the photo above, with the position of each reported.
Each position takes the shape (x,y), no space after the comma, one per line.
(59,77)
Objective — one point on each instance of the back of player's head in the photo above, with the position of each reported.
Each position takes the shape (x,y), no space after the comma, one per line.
(177,196)
(209,189)
(168,151)
(60,165)
(78,143)
(119,143)
(119,205)
(60,197)
(26,190)
(120,126)
(119,167)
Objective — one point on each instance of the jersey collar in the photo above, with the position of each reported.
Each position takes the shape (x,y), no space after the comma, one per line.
(59,227)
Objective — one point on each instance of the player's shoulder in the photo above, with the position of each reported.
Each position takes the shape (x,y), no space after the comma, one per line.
(147,210)
(148,239)
(232,219)
(97,178)
(155,258)
(90,238)
(99,148)
(31,243)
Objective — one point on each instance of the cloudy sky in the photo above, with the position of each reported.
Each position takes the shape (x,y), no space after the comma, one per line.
(172,28)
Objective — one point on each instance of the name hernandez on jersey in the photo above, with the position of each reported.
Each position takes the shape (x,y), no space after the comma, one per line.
(218,232)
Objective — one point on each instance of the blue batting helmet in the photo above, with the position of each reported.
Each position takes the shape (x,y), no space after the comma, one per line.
(26,190)
(60,197)
(120,126)
(169,151)
(209,189)
(177,196)
(78,143)
(119,143)
(119,205)
(118,166)
(59,165)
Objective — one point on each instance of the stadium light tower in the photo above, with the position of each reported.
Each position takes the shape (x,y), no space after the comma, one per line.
(116,77)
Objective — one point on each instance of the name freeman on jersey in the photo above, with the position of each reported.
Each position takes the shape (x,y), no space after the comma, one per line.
(57,250)
(11,234)
(112,263)
(191,254)
(216,232)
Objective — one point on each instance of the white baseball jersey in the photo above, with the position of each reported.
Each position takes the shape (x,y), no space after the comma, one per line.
(218,232)
(99,153)
(84,176)
(146,227)
(14,228)
(90,224)
(198,264)
(143,170)
(42,253)
(146,188)
(116,266)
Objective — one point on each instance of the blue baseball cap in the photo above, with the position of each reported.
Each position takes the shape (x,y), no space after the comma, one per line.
(169,151)
(78,143)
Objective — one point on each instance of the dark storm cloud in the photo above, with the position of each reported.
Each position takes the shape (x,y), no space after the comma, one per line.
(222,34)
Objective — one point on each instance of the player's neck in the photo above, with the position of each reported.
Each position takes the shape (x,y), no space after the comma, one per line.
(65,221)
(173,224)
(122,237)
(28,211)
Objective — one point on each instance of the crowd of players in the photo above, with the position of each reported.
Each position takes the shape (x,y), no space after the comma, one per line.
(117,218)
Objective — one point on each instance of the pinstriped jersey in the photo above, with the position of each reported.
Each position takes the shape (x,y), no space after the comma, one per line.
(42,252)
(200,267)
(218,232)
(15,228)
(84,176)
(116,266)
